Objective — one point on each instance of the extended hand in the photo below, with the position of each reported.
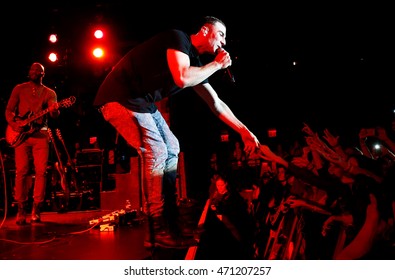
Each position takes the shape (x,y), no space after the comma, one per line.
(251,143)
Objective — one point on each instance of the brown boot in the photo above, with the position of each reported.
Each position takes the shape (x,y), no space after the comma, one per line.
(21,215)
(181,226)
(36,213)
(158,235)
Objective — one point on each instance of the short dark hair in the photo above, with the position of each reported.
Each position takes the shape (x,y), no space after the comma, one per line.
(198,22)
(212,20)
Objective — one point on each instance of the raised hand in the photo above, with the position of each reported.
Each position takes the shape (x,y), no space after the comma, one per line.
(332,140)
(306,129)
(381,133)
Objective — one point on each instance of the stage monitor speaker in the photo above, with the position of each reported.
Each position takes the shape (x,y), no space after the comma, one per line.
(127,187)
(89,157)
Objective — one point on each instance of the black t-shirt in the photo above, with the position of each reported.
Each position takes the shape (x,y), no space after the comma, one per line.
(142,77)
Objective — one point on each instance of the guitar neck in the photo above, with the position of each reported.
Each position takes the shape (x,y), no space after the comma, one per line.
(60,137)
(57,152)
(70,161)
(64,103)
(35,117)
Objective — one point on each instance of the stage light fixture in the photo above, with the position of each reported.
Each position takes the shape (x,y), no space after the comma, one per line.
(98,52)
(53,57)
(53,38)
(99,34)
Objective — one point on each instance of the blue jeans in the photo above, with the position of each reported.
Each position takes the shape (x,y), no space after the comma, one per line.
(157,147)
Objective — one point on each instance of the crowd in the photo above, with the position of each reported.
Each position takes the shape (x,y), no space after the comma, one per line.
(320,199)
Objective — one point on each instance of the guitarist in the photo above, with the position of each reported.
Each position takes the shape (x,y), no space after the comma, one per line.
(27,99)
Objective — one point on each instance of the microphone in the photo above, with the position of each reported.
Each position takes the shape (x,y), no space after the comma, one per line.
(228,71)
(230,75)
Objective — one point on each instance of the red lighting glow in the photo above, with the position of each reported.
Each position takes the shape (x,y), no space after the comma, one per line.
(272,132)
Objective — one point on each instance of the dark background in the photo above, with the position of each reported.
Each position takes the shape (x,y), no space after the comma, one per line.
(343,79)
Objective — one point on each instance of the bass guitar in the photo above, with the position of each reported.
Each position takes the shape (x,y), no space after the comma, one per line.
(62,173)
(27,122)
(72,170)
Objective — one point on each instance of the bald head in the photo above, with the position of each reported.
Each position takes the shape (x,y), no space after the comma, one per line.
(36,72)
(37,67)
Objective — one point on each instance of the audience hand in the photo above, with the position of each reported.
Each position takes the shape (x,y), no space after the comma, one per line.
(301,162)
(381,133)
(332,140)
(306,129)
(366,132)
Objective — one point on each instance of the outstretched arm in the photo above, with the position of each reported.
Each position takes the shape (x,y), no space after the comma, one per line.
(185,75)
(225,114)
(267,154)
(363,241)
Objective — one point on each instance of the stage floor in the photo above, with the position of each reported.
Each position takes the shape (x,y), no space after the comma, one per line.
(73,236)
(70,236)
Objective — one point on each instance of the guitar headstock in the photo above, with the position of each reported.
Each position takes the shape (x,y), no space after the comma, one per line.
(67,102)
(59,134)
(50,133)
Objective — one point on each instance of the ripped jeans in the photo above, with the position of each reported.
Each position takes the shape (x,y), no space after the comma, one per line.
(158,149)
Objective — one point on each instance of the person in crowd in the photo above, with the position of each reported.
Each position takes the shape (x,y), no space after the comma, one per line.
(272,213)
(232,210)
(30,140)
(238,156)
(158,68)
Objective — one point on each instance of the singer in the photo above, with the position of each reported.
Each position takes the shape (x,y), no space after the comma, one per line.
(156,69)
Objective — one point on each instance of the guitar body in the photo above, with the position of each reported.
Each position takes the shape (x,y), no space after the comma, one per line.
(70,168)
(62,177)
(14,138)
(27,122)
(66,175)
(63,203)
